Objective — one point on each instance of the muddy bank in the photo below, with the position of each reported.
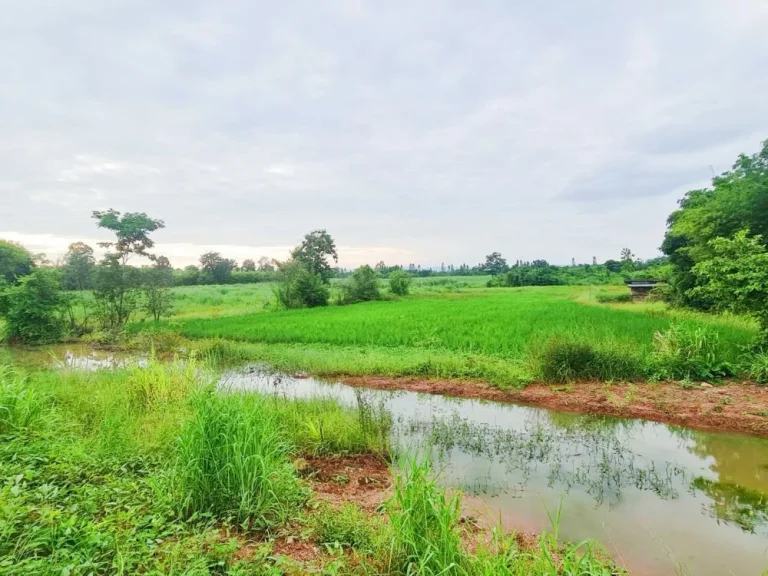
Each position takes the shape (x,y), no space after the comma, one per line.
(733,407)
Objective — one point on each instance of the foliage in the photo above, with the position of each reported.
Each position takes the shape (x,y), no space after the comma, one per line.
(117,285)
(314,251)
(116,292)
(34,308)
(399,282)
(78,267)
(131,230)
(737,200)
(536,274)
(757,366)
(248,265)
(20,407)
(363,286)
(216,267)
(564,360)
(156,286)
(690,352)
(15,261)
(494,264)
(301,288)
(735,276)
(345,527)
(610,298)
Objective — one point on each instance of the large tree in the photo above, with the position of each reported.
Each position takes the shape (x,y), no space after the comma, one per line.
(494,264)
(737,200)
(314,252)
(78,267)
(216,267)
(15,261)
(117,285)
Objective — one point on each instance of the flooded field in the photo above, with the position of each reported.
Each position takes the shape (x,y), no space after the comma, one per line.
(661,499)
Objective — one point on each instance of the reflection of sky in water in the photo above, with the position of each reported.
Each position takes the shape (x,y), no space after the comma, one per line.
(652,494)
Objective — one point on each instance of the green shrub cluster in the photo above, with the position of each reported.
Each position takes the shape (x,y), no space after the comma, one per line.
(612,298)
(565,360)
(689,352)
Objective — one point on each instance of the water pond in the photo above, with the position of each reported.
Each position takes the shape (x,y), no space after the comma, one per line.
(662,499)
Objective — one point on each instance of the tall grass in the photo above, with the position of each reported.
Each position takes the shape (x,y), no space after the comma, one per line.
(20,407)
(564,360)
(425,521)
(686,351)
(234,462)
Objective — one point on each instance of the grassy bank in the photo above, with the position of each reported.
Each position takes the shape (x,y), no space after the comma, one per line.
(503,336)
(150,470)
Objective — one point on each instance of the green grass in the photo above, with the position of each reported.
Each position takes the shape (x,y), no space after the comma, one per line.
(492,334)
(148,470)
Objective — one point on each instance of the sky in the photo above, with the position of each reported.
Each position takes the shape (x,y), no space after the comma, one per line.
(413,131)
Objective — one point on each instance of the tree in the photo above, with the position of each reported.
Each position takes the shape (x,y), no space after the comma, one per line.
(737,200)
(613,266)
(314,252)
(494,264)
(399,282)
(735,277)
(218,268)
(117,285)
(78,267)
(266,265)
(156,286)
(248,265)
(34,308)
(362,286)
(299,287)
(15,261)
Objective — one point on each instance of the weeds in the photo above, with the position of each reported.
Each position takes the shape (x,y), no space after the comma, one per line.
(566,360)
(689,352)
(20,407)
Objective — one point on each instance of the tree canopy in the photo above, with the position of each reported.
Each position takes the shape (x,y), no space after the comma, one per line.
(15,261)
(314,252)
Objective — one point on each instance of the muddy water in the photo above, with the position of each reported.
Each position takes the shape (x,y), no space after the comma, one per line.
(661,499)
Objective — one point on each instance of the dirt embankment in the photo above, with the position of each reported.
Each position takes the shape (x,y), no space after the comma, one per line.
(733,407)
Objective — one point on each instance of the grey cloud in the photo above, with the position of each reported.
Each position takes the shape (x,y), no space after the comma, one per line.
(444,129)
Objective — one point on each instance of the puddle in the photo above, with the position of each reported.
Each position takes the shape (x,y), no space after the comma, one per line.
(656,496)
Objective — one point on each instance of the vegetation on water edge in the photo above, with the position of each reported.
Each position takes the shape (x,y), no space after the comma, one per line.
(120,472)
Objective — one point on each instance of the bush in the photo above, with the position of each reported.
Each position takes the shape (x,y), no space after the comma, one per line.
(610,298)
(363,286)
(757,367)
(300,288)
(689,352)
(400,282)
(662,293)
(34,308)
(567,360)
(233,462)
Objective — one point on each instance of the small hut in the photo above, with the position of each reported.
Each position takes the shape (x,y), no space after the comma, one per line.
(641,288)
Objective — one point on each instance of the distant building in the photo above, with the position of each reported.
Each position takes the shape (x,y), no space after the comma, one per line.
(641,288)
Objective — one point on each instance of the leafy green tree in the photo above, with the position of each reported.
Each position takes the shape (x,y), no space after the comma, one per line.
(737,200)
(363,286)
(15,261)
(248,265)
(216,267)
(299,287)
(735,276)
(400,282)
(266,265)
(117,286)
(78,267)
(34,307)
(156,286)
(494,264)
(314,252)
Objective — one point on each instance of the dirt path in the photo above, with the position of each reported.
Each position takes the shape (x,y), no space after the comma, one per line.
(733,407)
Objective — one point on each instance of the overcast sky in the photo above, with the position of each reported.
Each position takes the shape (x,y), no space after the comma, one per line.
(414,131)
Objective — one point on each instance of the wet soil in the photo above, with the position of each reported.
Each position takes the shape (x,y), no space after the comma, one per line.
(732,407)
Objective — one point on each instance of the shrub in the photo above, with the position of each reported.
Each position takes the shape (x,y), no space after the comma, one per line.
(661,293)
(301,288)
(610,298)
(233,462)
(757,367)
(400,282)
(689,352)
(568,360)
(34,308)
(363,286)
